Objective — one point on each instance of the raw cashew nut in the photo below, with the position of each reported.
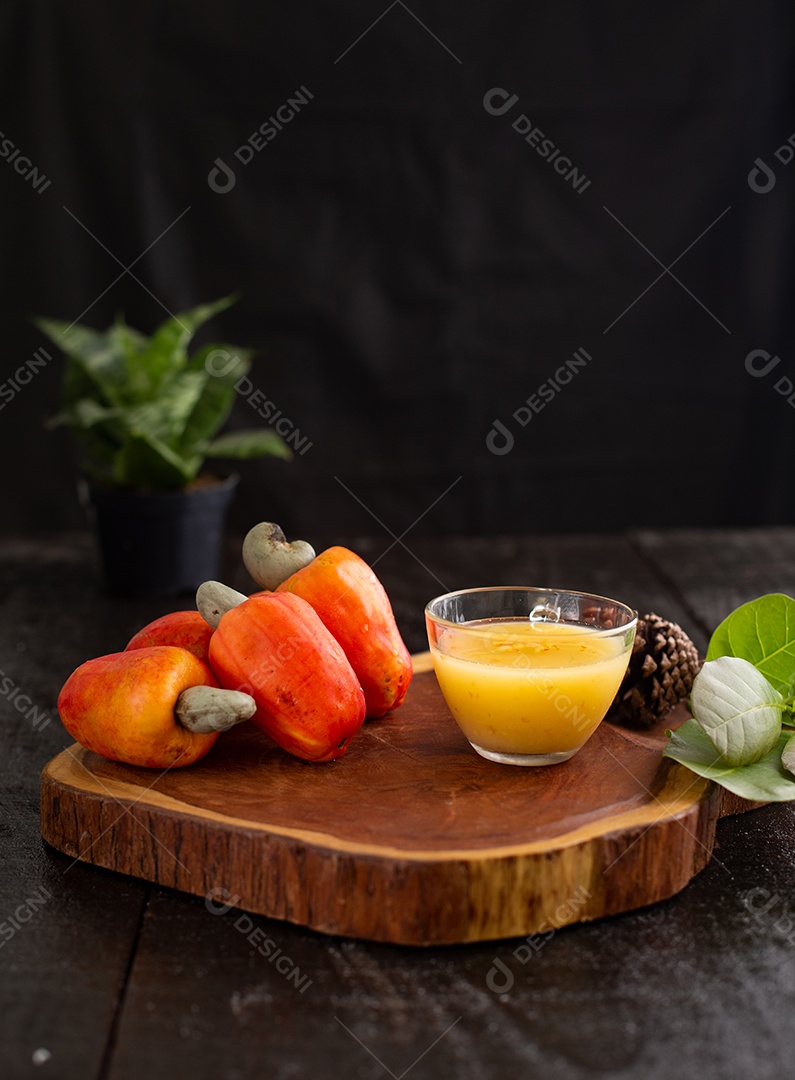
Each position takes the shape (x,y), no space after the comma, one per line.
(206,708)
(214,599)
(270,559)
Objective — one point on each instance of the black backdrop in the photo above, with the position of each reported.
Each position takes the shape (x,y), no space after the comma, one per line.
(410,266)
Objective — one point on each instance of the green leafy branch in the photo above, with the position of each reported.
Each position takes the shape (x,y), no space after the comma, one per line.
(742,734)
(146,413)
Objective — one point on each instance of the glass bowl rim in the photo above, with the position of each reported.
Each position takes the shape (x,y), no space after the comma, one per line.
(534,589)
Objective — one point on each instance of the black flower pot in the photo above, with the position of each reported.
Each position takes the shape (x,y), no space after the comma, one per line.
(161,544)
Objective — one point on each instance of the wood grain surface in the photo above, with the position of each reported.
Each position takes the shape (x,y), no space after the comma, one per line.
(411,838)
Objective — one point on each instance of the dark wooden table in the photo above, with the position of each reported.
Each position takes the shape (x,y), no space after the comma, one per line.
(104,976)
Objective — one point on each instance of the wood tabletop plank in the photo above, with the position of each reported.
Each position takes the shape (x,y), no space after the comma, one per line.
(639,996)
(717,570)
(67,933)
(699,985)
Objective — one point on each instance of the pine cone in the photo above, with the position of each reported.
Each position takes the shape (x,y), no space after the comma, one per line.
(662,667)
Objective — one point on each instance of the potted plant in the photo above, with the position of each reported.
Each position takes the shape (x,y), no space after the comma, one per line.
(147,416)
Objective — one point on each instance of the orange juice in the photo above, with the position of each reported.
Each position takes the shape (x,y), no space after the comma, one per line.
(529,687)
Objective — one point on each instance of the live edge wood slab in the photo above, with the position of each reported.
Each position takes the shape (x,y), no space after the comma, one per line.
(410,838)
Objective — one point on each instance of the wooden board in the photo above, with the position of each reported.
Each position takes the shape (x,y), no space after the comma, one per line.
(410,838)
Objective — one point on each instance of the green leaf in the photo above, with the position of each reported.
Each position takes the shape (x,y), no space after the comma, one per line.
(255,442)
(84,413)
(764,781)
(100,448)
(166,417)
(763,632)
(222,366)
(788,753)
(77,384)
(98,429)
(131,341)
(167,350)
(738,708)
(146,463)
(96,348)
(97,360)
